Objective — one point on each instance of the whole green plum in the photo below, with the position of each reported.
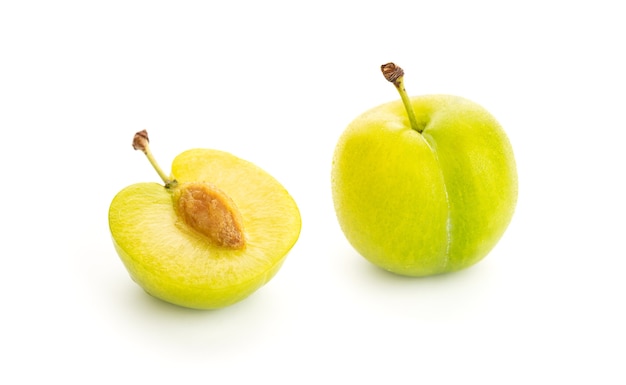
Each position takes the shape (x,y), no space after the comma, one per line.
(424,185)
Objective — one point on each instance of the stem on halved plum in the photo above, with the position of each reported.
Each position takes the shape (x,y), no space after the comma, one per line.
(394,74)
(142,142)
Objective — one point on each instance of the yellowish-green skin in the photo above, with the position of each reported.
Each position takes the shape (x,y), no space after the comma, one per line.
(175,263)
(420,204)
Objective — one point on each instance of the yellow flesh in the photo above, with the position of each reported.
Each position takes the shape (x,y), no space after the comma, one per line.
(175,263)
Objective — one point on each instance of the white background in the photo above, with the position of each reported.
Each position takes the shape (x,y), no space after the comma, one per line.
(276,82)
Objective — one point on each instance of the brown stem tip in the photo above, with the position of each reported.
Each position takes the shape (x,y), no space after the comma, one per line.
(392,73)
(141,140)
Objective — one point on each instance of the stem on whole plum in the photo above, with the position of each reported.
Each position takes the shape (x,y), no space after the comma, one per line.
(394,74)
(142,142)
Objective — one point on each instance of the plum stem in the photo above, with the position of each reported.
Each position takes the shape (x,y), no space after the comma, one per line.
(394,74)
(142,142)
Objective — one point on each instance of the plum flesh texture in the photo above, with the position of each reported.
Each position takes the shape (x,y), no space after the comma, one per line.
(171,261)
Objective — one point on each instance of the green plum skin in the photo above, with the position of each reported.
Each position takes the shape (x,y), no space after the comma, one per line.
(420,204)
